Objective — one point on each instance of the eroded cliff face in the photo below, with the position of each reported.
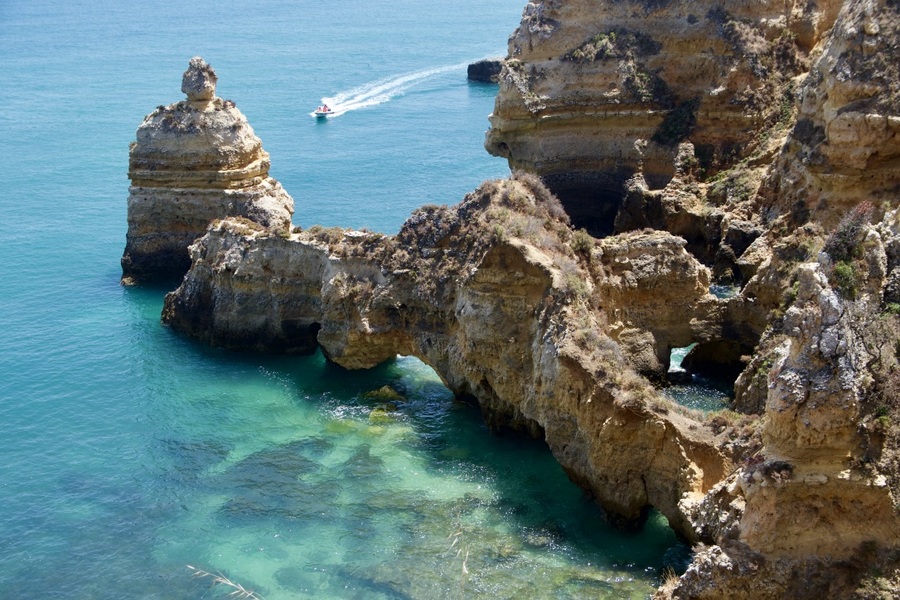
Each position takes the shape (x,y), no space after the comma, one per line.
(546,329)
(194,161)
(845,143)
(594,92)
(765,135)
(751,144)
(819,498)
(493,296)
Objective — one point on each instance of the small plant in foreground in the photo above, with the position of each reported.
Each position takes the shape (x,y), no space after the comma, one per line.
(844,241)
(892,308)
(583,243)
(844,279)
(669,578)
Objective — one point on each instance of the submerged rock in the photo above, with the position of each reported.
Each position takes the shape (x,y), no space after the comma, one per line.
(193,162)
(385,394)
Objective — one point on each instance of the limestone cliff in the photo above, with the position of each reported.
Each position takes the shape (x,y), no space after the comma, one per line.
(493,296)
(845,142)
(593,93)
(194,161)
(753,144)
(820,495)
(765,134)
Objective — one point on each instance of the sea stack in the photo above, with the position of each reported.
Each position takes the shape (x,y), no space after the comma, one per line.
(193,162)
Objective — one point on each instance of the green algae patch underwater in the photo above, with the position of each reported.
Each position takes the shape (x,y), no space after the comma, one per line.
(425,504)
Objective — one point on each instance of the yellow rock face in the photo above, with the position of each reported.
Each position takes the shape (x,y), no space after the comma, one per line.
(593,92)
(193,162)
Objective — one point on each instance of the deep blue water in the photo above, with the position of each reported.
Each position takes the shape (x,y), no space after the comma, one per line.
(129,452)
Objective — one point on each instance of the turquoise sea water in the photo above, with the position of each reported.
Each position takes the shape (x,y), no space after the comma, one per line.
(702,393)
(129,452)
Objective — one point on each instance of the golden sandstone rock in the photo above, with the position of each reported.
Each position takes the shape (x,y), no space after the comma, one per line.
(754,144)
(517,321)
(193,162)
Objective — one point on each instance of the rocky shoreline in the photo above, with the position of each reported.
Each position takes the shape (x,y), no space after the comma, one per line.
(767,161)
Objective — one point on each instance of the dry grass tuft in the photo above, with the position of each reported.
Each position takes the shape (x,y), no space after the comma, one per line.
(239,591)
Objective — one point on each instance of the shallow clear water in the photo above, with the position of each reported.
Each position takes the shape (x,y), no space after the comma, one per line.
(702,393)
(130,452)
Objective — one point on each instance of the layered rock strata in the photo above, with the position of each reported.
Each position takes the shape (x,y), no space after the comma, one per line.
(193,162)
(844,146)
(492,295)
(772,150)
(820,497)
(771,158)
(546,329)
(593,93)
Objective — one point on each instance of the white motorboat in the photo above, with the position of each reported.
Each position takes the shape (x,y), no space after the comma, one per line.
(323,111)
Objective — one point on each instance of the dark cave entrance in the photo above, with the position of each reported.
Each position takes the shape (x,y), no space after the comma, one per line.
(718,359)
(591,199)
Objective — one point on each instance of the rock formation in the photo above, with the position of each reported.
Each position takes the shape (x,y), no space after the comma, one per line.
(773,151)
(769,160)
(485,71)
(593,93)
(845,143)
(193,162)
(492,295)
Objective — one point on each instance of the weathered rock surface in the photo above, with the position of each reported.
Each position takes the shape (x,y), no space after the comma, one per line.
(845,142)
(517,321)
(593,93)
(768,158)
(811,500)
(759,133)
(193,162)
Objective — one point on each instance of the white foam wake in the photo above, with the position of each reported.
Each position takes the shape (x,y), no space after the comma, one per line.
(381,91)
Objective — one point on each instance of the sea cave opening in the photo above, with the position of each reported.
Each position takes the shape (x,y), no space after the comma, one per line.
(591,199)
(702,375)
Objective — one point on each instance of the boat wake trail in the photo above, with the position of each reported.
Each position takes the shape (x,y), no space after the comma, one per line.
(381,91)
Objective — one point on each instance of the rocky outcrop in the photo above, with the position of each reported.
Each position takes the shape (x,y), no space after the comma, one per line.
(193,162)
(593,93)
(767,159)
(812,498)
(845,142)
(485,71)
(810,435)
(493,296)
(764,136)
